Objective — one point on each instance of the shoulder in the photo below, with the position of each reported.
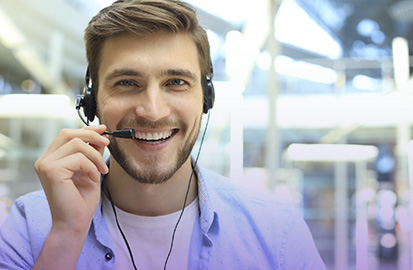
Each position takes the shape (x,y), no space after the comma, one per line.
(234,198)
(38,196)
(32,209)
(29,221)
(30,214)
(257,226)
(33,201)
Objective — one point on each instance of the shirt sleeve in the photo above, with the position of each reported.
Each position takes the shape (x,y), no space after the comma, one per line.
(301,252)
(15,247)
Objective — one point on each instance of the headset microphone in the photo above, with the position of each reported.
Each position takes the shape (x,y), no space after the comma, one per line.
(123,133)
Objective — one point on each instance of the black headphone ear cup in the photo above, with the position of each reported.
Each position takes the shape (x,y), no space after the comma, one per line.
(89,107)
(209,95)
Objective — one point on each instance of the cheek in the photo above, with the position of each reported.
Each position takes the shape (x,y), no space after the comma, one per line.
(109,109)
(191,104)
(190,112)
(192,115)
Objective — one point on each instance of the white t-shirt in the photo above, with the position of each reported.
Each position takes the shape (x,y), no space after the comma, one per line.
(150,237)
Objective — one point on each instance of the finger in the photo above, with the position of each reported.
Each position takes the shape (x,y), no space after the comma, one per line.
(71,177)
(76,167)
(83,169)
(91,135)
(49,163)
(77,145)
(100,128)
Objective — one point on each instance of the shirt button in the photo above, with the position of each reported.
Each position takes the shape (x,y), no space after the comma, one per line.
(108,256)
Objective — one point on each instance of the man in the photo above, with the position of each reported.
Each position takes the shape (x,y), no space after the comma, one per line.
(150,206)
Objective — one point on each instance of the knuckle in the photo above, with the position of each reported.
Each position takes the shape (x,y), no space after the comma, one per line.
(76,144)
(79,157)
(40,165)
(44,170)
(64,132)
(37,165)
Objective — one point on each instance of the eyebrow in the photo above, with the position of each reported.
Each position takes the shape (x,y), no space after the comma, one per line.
(169,72)
(181,72)
(122,72)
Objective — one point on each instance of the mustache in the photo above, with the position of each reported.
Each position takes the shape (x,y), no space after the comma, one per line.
(148,124)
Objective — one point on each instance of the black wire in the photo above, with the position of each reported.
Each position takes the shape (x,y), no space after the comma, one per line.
(186,195)
(182,211)
(117,223)
(82,118)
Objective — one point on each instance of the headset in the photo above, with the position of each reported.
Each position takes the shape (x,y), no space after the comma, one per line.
(87,100)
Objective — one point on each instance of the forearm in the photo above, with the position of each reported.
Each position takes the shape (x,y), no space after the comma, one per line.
(61,250)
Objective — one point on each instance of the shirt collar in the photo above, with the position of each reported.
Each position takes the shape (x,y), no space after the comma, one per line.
(207,201)
(99,225)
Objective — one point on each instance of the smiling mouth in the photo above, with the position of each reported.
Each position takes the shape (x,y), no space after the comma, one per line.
(155,137)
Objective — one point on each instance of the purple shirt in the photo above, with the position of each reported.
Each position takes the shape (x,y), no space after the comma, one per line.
(236,229)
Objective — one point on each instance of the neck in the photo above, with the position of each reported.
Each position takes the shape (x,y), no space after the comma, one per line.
(151,199)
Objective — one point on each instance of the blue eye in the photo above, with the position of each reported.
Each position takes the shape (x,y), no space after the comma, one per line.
(125,83)
(177,82)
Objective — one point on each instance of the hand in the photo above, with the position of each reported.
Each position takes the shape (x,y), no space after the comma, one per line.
(69,171)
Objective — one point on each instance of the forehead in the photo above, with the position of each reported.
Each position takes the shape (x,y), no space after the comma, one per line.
(161,50)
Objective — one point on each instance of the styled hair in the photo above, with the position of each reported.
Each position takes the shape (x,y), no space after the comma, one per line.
(142,18)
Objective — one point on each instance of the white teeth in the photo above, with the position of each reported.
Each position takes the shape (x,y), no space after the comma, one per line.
(153,136)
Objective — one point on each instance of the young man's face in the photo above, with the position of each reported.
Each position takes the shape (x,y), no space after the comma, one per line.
(152,85)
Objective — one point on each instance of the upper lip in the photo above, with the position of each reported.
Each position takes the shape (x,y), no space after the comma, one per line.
(153,135)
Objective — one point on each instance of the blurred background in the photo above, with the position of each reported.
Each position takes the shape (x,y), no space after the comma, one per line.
(313,104)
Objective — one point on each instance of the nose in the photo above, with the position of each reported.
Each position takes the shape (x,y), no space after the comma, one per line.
(153,104)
